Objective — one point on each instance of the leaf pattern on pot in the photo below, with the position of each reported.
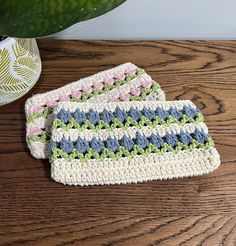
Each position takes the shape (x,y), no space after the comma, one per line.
(19,69)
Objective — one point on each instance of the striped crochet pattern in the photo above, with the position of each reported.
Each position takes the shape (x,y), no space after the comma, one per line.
(126,82)
(129,142)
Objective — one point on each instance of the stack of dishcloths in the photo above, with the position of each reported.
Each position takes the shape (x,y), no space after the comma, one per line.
(116,127)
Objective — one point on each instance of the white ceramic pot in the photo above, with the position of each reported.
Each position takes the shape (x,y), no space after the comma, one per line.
(20,68)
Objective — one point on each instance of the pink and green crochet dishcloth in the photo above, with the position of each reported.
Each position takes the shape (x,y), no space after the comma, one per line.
(126,82)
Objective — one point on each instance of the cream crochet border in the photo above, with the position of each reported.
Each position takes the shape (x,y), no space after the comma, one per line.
(41,99)
(138,169)
(118,133)
(85,106)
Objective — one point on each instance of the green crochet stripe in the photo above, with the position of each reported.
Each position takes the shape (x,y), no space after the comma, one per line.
(57,123)
(72,124)
(47,111)
(145,92)
(122,152)
(85,96)
(43,138)
(117,83)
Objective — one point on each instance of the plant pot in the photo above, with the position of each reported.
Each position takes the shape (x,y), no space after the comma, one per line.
(20,68)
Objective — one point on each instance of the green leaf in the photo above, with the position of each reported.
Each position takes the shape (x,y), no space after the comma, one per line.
(36,18)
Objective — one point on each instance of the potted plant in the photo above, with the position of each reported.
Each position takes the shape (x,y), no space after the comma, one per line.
(23,21)
(20,67)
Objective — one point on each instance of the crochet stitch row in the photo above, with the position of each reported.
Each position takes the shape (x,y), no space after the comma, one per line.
(89,89)
(121,118)
(71,107)
(83,96)
(106,77)
(141,168)
(46,111)
(40,134)
(133,152)
(118,133)
(128,147)
(122,83)
(123,152)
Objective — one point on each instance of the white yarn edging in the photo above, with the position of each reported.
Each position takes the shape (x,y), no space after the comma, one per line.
(110,95)
(158,96)
(38,149)
(138,169)
(118,133)
(42,98)
(86,106)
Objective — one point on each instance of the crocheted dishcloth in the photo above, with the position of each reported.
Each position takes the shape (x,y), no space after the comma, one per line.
(126,82)
(126,142)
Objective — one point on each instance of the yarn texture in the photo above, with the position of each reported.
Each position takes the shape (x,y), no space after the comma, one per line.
(126,82)
(129,142)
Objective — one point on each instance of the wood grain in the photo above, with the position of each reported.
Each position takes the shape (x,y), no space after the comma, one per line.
(34,210)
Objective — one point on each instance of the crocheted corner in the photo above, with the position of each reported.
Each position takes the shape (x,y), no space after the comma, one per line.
(128,142)
(126,82)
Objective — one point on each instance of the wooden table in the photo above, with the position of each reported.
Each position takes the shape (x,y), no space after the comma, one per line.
(34,210)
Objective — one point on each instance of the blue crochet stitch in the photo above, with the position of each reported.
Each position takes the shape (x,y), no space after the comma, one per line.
(79,116)
(175,113)
(81,145)
(189,111)
(66,145)
(51,145)
(156,140)
(97,145)
(185,138)
(135,114)
(53,117)
(112,144)
(64,116)
(163,114)
(171,139)
(148,113)
(141,140)
(120,114)
(93,116)
(200,136)
(127,142)
(107,116)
